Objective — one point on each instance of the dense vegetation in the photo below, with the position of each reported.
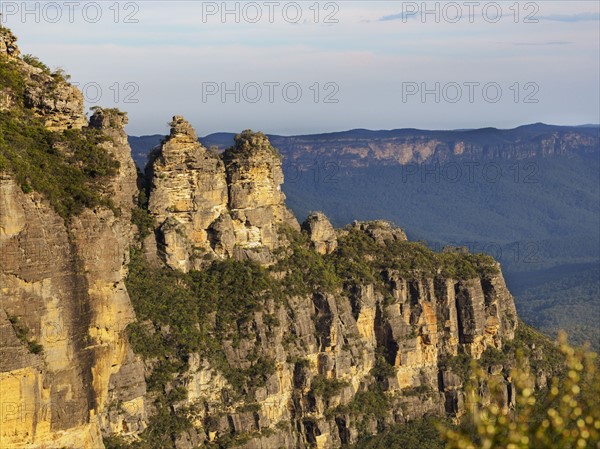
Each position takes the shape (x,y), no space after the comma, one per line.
(69,168)
(421,434)
(569,301)
(179,314)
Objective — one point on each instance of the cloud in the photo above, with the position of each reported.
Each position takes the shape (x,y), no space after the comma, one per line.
(400,16)
(568,18)
(580,17)
(545,43)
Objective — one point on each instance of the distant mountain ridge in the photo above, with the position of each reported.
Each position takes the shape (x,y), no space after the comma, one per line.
(362,147)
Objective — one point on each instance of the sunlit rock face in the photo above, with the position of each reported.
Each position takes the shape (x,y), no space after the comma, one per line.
(64,283)
(208,205)
(321,233)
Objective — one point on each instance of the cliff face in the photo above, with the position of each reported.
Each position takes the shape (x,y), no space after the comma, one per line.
(259,336)
(63,303)
(65,284)
(407,146)
(212,206)
(330,363)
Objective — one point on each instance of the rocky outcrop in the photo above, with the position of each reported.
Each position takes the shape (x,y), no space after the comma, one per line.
(51,97)
(256,202)
(123,187)
(48,95)
(211,206)
(381,231)
(8,43)
(321,233)
(188,195)
(65,285)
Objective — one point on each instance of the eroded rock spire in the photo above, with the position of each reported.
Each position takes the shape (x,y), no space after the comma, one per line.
(209,206)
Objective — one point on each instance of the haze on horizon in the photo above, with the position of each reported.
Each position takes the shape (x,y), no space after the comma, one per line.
(358,64)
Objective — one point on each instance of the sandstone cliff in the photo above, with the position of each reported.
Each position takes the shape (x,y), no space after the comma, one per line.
(63,303)
(362,148)
(211,206)
(328,362)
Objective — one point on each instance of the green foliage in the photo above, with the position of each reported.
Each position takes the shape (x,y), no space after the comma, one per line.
(35,62)
(11,78)
(566,417)
(459,364)
(163,427)
(60,76)
(539,350)
(373,403)
(70,169)
(359,259)
(420,434)
(382,369)
(353,258)
(143,220)
(563,299)
(327,388)
(306,271)
(492,356)
(174,313)
(22,333)
(247,143)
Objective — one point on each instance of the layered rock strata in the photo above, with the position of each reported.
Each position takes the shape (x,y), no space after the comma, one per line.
(208,205)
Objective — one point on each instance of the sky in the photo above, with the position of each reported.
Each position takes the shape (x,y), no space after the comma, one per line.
(317,66)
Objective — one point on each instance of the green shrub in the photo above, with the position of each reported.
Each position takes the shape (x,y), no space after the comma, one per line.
(70,169)
(306,271)
(382,369)
(35,62)
(566,417)
(419,434)
(11,78)
(22,333)
(327,388)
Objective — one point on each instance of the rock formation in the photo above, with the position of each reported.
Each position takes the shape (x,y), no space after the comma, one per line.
(322,235)
(256,202)
(381,230)
(205,204)
(331,350)
(8,44)
(47,94)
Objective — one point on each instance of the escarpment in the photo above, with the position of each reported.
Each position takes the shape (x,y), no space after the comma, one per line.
(215,319)
(63,260)
(318,350)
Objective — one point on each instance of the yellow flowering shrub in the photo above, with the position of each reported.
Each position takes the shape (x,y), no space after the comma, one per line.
(565,416)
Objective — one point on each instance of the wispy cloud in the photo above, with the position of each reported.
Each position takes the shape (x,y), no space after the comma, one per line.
(569,18)
(580,17)
(400,16)
(545,43)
